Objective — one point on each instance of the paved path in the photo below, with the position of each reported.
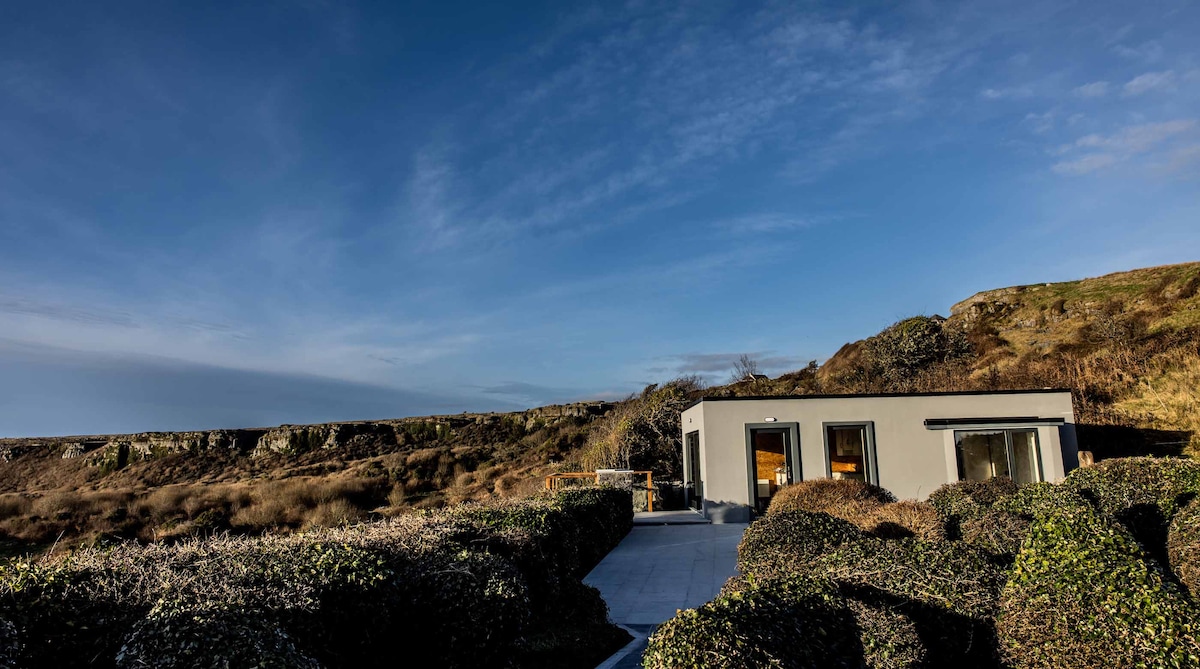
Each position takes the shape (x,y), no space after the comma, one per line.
(659,569)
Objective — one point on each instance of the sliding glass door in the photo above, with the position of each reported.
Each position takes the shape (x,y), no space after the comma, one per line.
(984,454)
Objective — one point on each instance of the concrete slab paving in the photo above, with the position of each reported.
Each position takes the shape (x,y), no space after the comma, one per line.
(684,517)
(659,569)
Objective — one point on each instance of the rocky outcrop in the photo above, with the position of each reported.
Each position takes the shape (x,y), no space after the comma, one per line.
(116,451)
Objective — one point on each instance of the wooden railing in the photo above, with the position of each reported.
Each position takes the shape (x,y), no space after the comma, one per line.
(556,481)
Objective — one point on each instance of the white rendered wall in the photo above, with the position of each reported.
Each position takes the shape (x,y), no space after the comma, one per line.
(912,459)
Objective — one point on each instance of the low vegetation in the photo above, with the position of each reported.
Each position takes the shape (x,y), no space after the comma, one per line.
(476,586)
(1021,577)
(1127,345)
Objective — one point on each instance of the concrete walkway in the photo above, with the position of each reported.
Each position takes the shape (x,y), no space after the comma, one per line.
(658,570)
(685,517)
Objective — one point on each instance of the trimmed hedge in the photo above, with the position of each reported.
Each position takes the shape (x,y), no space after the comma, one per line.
(771,543)
(879,632)
(210,639)
(1083,593)
(900,520)
(962,500)
(997,531)
(1142,493)
(947,590)
(456,585)
(843,498)
(955,577)
(10,646)
(1183,546)
(890,638)
(1033,500)
(795,624)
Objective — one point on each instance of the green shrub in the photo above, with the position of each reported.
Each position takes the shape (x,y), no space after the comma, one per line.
(890,638)
(577,526)
(472,607)
(949,589)
(843,498)
(1082,593)
(10,645)
(795,624)
(63,611)
(774,541)
(1143,493)
(205,638)
(1183,546)
(963,500)
(997,531)
(604,515)
(453,584)
(1033,500)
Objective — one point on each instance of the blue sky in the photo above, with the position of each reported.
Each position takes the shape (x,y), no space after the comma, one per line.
(296,212)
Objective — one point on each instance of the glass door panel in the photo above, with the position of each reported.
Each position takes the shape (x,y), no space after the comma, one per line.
(771,465)
(1025,467)
(981,455)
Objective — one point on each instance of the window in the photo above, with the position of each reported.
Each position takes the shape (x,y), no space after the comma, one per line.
(850,452)
(983,454)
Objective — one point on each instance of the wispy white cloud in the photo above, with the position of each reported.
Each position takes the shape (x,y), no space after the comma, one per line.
(1010,93)
(1096,89)
(767,223)
(1108,150)
(1136,138)
(1148,52)
(1085,164)
(1150,81)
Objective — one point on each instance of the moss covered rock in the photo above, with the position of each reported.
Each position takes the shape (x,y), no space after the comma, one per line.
(1083,593)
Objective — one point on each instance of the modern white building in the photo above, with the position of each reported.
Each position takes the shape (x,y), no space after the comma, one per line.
(738,451)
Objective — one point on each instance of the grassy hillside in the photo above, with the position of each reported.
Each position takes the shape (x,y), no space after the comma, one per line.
(172,485)
(1127,344)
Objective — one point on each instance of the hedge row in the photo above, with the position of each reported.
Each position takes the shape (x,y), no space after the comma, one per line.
(844,498)
(471,587)
(988,574)
(1083,593)
(1183,545)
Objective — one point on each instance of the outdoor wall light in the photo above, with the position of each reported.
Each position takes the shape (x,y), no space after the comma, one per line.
(770,419)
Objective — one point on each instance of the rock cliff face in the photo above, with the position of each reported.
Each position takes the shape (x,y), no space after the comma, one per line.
(116,451)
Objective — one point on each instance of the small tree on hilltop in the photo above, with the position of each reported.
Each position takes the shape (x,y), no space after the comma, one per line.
(746,368)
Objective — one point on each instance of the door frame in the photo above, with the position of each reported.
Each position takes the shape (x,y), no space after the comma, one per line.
(691,465)
(791,456)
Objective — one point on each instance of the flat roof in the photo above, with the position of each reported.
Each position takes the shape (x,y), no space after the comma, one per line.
(939,393)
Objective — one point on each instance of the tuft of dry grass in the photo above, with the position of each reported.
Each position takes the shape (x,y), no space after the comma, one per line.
(904,519)
(842,498)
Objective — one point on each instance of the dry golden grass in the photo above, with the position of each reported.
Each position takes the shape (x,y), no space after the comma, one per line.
(903,519)
(841,498)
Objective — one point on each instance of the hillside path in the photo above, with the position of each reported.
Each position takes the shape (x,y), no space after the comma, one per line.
(658,569)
